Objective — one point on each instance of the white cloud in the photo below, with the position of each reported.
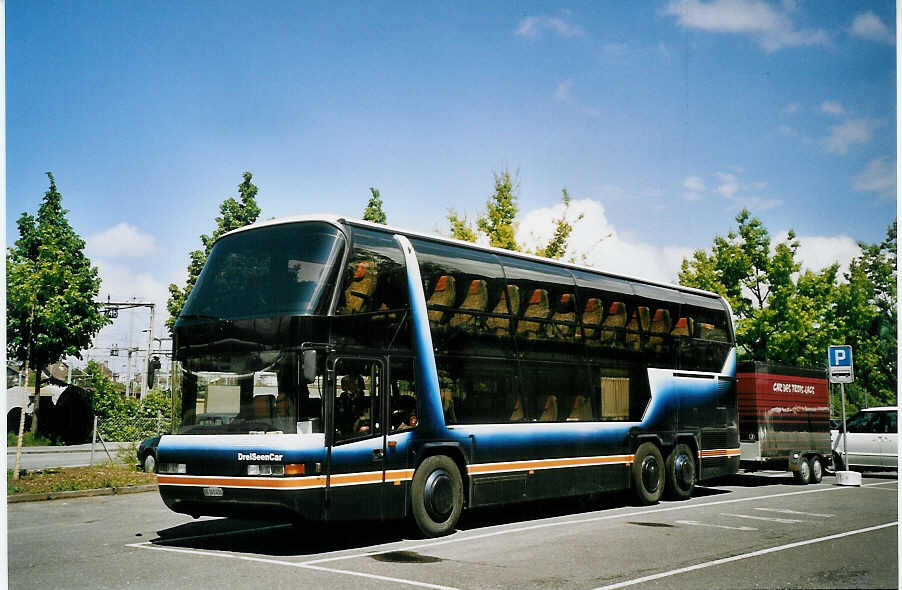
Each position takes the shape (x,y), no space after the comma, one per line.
(848,133)
(772,28)
(695,184)
(121,241)
(817,252)
(595,238)
(792,108)
(879,177)
(563,94)
(729,184)
(868,25)
(531,27)
(831,107)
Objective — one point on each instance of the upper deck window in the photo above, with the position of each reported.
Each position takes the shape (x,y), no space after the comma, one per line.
(271,271)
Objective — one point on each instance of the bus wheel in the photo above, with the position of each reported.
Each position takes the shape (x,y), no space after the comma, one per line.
(648,473)
(437,496)
(817,468)
(803,473)
(680,473)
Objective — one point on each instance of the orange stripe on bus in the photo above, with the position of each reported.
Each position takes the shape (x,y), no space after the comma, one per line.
(242,482)
(719,453)
(549,464)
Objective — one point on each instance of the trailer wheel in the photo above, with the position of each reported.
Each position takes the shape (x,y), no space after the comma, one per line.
(437,496)
(648,473)
(680,473)
(803,473)
(817,468)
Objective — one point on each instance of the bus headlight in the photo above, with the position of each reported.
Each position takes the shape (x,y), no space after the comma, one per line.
(173,468)
(266,469)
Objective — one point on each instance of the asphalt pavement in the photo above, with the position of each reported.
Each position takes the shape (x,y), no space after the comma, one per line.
(750,531)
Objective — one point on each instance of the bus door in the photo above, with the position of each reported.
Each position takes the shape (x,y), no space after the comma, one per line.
(356,456)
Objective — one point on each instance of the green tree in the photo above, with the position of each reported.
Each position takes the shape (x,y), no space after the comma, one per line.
(233,214)
(460,227)
(51,291)
(501,209)
(557,246)
(373,211)
(782,316)
(867,305)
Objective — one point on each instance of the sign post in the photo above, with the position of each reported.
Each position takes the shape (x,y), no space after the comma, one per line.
(841,370)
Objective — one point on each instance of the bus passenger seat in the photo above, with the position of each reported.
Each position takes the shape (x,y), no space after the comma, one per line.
(517,414)
(580,409)
(709,332)
(476,301)
(501,326)
(443,295)
(362,287)
(592,319)
(615,320)
(564,317)
(537,308)
(660,326)
(549,409)
(683,327)
(637,326)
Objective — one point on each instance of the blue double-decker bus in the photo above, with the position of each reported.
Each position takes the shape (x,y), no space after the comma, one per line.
(333,369)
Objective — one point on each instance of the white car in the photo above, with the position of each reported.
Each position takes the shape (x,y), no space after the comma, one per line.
(872,438)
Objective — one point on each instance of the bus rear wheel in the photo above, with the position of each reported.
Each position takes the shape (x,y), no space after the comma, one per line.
(648,473)
(437,496)
(681,474)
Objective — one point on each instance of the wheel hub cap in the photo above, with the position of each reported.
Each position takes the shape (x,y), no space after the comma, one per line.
(683,467)
(650,474)
(439,495)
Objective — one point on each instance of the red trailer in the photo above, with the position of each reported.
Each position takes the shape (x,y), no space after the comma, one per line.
(784,419)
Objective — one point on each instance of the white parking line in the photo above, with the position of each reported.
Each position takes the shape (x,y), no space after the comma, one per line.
(724,560)
(787,511)
(463,537)
(716,526)
(767,518)
(290,564)
(460,537)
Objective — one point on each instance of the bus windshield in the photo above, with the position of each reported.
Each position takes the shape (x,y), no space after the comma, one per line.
(244,393)
(266,272)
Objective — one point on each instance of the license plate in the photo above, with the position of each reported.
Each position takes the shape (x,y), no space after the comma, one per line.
(213,492)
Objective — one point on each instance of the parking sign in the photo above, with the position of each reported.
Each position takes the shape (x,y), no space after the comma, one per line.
(839,360)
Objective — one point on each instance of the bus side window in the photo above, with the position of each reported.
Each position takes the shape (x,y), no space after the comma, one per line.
(563,322)
(500,326)
(536,308)
(468,317)
(637,327)
(613,323)
(360,289)
(659,328)
(592,320)
(442,295)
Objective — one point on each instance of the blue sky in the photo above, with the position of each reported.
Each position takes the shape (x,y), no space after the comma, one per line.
(662,119)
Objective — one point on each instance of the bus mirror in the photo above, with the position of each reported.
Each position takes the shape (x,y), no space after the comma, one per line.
(309,365)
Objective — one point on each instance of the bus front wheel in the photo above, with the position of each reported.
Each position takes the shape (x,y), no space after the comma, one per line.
(681,474)
(648,473)
(437,496)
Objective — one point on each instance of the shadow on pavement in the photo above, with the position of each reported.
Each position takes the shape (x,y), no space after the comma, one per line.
(285,539)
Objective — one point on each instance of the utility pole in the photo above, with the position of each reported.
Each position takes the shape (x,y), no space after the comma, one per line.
(149,354)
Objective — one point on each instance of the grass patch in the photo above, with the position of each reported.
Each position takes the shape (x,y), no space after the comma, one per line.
(64,479)
(28,440)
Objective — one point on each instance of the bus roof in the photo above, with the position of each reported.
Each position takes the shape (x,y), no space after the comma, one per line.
(340,221)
